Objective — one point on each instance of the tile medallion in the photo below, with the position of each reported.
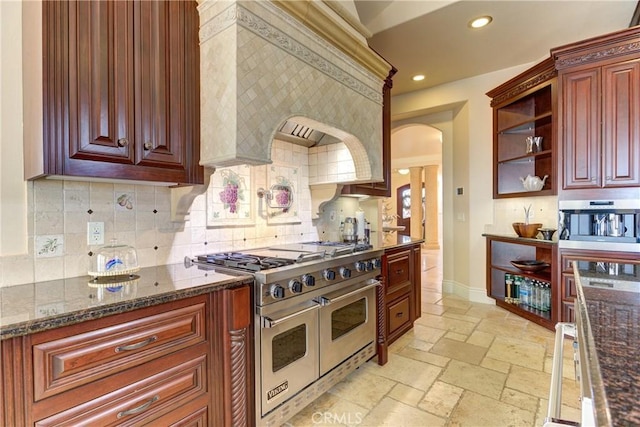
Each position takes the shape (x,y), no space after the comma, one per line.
(49,246)
(284,184)
(124,201)
(230,197)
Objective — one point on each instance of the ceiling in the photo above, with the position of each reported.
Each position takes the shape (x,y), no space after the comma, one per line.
(433,38)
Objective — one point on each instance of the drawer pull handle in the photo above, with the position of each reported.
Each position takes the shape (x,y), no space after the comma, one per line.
(400,314)
(399,271)
(139,408)
(136,345)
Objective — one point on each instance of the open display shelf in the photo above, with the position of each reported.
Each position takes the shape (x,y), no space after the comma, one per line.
(501,250)
(524,107)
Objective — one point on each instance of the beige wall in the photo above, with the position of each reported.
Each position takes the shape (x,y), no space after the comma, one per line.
(13,191)
(462,112)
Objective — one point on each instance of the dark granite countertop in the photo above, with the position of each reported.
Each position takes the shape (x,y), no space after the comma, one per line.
(394,240)
(35,307)
(518,238)
(609,308)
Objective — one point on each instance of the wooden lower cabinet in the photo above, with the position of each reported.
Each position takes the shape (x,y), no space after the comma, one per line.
(144,401)
(182,363)
(401,271)
(568,289)
(399,315)
(501,250)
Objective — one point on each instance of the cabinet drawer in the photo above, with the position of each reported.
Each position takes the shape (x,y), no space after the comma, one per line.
(568,286)
(399,314)
(196,414)
(140,402)
(68,362)
(398,268)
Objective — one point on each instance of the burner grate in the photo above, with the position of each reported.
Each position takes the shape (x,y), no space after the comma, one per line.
(243,261)
(342,247)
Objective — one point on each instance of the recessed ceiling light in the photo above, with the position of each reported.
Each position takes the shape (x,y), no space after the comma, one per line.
(403,171)
(480,22)
(417,77)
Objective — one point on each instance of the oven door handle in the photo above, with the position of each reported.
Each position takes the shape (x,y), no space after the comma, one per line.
(555,389)
(325,300)
(268,322)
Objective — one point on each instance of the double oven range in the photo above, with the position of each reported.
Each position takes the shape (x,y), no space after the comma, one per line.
(315,318)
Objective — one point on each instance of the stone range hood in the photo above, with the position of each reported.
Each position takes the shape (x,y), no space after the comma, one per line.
(262,65)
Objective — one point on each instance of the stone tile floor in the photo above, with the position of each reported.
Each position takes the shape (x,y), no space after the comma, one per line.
(463,364)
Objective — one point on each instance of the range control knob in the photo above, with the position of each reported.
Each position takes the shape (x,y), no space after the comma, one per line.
(308,280)
(361,266)
(329,274)
(377,263)
(295,286)
(277,291)
(369,265)
(345,272)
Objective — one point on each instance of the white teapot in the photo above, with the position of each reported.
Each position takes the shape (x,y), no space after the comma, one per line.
(533,183)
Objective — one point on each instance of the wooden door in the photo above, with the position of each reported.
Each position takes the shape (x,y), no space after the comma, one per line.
(581,152)
(403,196)
(101,119)
(621,127)
(160,81)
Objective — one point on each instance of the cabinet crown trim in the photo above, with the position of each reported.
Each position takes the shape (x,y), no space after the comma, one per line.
(598,49)
(524,81)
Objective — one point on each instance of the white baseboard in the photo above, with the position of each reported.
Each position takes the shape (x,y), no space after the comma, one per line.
(466,292)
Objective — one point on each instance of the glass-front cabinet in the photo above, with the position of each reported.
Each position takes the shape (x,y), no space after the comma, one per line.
(524,133)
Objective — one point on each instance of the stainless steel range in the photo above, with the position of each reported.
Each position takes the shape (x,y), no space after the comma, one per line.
(315,318)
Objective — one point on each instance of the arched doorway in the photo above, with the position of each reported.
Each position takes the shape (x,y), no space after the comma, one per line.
(416,158)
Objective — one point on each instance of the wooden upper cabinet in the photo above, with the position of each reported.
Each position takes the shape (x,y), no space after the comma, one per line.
(601,131)
(131,110)
(101,103)
(159,31)
(621,127)
(525,107)
(600,92)
(581,124)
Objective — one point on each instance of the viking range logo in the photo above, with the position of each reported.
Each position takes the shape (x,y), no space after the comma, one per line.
(277,390)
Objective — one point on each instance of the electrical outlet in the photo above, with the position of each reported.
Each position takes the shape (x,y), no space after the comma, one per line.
(95,233)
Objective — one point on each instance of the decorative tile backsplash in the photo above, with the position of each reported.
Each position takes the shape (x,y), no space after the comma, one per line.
(139,215)
(230,198)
